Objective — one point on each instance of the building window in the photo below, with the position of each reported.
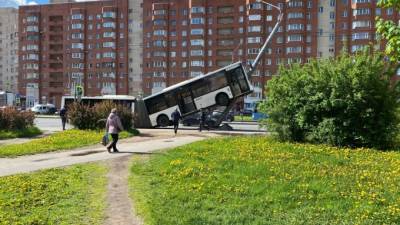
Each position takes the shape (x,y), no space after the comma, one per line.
(108,14)
(198,20)
(77,17)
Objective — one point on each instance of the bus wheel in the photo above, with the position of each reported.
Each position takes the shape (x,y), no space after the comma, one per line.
(222,99)
(162,121)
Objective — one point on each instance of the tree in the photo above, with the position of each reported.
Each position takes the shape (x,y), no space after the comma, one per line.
(389,30)
(348,101)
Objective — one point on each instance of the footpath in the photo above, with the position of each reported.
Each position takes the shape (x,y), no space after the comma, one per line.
(146,143)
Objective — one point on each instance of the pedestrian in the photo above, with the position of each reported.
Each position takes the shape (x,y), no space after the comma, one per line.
(176,116)
(203,117)
(63,115)
(113,127)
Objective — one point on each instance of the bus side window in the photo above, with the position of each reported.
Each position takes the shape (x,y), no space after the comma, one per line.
(170,99)
(156,104)
(200,88)
(218,81)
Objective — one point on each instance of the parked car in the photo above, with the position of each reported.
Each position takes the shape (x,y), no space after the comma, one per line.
(44,109)
(194,119)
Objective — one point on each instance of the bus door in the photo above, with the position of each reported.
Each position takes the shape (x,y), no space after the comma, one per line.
(238,81)
(185,101)
(233,83)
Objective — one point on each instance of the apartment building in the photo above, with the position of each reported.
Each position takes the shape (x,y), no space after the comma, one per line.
(184,39)
(9,49)
(69,44)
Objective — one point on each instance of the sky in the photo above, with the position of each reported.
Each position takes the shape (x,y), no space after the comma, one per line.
(16,3)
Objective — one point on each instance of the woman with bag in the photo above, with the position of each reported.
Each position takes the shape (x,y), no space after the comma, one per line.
(113,127)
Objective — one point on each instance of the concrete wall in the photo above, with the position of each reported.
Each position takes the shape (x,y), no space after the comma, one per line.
(326,29)
(9,49)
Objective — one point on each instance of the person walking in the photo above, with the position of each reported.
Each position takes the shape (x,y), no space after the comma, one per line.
(203,117)
(63,115)
(176,116)
(113,127)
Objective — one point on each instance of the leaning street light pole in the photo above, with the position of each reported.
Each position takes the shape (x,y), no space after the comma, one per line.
(264,47)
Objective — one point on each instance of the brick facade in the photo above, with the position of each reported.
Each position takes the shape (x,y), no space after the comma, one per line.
(64,45)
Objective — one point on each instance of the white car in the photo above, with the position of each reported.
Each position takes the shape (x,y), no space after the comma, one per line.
(44,109)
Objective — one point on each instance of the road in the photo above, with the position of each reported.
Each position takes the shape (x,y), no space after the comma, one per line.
(53,124)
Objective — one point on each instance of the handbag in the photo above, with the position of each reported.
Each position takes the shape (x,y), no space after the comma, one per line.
(105,140)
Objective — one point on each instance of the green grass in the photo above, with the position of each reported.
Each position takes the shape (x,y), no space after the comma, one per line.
(58,141)
(23,133)
(73,195)
(256,180)
(244,119)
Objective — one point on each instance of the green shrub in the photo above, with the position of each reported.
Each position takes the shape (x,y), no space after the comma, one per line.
(12,119)
(86,117)
(348,101)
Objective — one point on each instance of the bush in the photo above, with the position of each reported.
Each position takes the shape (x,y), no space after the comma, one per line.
(86,117)
(12,119)
(349,101)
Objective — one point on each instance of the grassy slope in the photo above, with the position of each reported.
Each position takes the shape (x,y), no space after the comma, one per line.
(253,180)
(59,141)
(73,195)
(28,132)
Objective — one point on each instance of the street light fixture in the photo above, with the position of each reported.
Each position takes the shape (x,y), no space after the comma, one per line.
(262,51)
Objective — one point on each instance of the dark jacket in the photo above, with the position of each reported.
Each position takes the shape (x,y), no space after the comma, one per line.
(176,116)
(63,113)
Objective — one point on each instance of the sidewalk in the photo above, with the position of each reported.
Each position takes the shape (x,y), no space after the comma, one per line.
(145,144)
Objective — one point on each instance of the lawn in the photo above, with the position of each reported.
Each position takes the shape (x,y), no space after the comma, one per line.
(256,180)
(73,195)
(243,119)
(27,132)
(58,141)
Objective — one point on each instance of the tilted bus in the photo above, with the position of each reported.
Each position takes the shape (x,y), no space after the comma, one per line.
(218,88)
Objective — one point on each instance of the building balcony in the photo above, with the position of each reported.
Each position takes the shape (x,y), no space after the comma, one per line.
(56,47)
(55,66)
(56,19)
(55,38)
(56,76)
(56,57)
(56,29)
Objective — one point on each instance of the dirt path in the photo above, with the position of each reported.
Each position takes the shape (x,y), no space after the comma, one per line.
(120,210)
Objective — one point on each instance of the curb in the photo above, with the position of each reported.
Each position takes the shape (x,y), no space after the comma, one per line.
(47,116)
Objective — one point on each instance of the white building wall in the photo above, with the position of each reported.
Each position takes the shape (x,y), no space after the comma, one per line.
(326,28)
(9,49)
(135,33)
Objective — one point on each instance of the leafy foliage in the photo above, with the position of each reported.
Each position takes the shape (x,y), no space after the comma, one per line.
(86,117)
(73,195)
(257,180)
(349,101)
(12,119)
(389,30)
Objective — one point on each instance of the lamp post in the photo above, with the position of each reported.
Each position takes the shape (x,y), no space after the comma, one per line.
(264,47)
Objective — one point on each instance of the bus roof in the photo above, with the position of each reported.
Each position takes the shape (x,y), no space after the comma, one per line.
(228,67)
(111,97)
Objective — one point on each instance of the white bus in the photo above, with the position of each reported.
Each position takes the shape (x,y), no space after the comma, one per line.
(218,88)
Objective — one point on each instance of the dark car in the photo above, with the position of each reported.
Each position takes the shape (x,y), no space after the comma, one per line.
(194,119)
